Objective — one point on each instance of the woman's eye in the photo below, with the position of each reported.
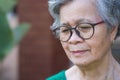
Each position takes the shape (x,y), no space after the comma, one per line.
(64,30)
(84,27)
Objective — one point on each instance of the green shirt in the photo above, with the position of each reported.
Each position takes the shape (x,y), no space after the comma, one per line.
(58,76)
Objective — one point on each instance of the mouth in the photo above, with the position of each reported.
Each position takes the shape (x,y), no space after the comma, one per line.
(79,52)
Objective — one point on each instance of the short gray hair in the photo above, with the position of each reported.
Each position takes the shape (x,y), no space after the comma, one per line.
(109,10)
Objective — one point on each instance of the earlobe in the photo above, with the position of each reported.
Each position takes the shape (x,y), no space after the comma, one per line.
(114,31)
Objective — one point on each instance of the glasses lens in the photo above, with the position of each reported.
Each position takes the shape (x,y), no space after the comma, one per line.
(65,33)
(86,30)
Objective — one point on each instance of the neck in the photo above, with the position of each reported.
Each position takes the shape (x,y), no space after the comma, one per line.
(103,70)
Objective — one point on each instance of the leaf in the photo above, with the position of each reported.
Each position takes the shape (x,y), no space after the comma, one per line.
(6,36)
(19,32)
(7,5)
(9,38)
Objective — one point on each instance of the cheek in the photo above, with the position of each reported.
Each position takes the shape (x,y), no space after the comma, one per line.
(100,43)
(64,45)
(66,49)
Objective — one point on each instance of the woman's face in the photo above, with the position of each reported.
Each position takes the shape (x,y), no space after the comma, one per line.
(84,52)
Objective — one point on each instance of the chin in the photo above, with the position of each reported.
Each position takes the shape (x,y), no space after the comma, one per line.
(84,63)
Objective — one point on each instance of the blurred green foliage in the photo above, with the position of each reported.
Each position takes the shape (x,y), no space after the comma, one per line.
(7,5)
(8,37)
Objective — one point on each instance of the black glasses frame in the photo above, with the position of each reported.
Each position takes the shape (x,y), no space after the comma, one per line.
(77,32)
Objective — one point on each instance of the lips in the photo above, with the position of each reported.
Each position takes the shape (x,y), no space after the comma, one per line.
(79,52)
(79,49)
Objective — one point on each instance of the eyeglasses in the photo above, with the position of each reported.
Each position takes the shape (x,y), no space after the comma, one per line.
(83,30)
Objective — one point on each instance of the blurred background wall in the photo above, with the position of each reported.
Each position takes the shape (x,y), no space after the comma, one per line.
(40,54)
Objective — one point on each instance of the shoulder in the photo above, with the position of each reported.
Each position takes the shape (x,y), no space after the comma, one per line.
(58,76)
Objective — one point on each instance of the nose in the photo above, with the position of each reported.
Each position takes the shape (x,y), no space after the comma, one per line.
(75,38)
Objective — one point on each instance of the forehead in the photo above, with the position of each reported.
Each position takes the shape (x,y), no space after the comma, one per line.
(80,3)
(79,9)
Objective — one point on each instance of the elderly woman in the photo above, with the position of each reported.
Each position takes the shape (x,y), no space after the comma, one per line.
(87,30)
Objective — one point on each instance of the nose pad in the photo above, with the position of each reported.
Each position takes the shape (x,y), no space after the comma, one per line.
(75,37)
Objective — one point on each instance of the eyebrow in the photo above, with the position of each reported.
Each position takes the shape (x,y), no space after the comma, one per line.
(84,20)
(79,21)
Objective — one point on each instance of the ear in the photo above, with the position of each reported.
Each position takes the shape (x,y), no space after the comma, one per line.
(113,33)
